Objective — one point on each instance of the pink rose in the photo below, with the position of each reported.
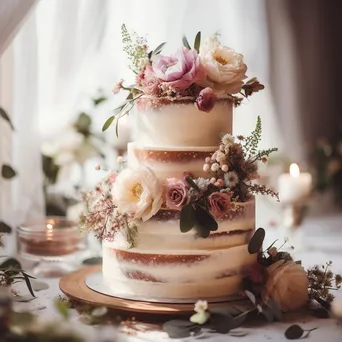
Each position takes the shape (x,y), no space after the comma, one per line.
(150,83)
(176,194)
(117,87)
(206,100)
(179,71)
(219,203)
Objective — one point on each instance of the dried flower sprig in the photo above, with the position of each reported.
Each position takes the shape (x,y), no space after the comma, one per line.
(321,281)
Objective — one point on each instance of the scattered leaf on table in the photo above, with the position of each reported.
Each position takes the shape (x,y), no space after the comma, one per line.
(38,285)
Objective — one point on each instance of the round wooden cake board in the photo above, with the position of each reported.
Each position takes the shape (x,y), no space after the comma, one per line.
(74,286)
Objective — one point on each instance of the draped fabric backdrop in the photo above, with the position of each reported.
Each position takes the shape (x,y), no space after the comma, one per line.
(67,50)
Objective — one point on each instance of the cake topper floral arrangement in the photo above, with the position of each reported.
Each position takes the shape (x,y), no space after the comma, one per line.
(201,75)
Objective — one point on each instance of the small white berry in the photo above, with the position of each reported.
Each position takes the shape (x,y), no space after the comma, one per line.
(97,167)
(215,167)
(120,160)
(206,167)
(222,147)
(220,182)
(207,160)
(217,183)
(213,180)
(225,168)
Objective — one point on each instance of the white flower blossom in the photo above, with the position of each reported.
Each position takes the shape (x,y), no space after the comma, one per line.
(201,306)
(202,183)
(231,179)
(228,139)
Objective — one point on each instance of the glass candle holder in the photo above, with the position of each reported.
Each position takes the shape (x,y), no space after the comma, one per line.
(53,243)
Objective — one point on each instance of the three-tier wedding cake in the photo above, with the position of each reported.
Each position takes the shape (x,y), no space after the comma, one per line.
(176,220)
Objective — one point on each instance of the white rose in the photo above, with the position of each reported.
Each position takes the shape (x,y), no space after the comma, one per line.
(138,191)
(287,284)
(225,68)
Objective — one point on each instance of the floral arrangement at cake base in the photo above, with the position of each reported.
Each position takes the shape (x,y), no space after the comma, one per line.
(275,285)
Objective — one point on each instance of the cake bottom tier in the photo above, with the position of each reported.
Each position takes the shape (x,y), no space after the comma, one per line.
(176,275)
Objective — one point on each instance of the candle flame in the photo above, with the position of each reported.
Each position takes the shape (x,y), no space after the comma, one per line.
(294,170)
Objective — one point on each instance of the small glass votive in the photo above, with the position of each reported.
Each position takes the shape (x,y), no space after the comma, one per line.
(53,243)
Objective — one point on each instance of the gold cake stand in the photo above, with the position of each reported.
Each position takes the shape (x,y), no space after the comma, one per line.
(74,286)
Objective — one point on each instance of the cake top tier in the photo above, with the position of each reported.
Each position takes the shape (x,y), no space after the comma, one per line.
(182,124)
(202,74)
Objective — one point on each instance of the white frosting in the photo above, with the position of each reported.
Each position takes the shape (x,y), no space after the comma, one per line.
(181,124)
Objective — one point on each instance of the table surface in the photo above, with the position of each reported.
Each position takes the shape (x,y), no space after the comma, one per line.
(322,242)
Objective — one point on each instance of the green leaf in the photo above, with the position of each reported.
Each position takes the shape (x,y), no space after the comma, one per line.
(108,123)
(158,49)
(12,266)
(222,323)
(197,43)
(192,183)
(23,319)
(4,115)
(200,317)
(256,241)
(294,332)
(7,171)
(181,329)
(275,309)
(298,262)
(251,296)
(93,261)
(267,313)
(186,43)
(99,100)
(28,283)
(38,285)
(204,219)
(83,123)
(187,218)
(5,228)
(62,308)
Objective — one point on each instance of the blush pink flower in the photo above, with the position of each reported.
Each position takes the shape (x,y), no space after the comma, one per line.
(219,203)
(205,100)
(176,194)
(150,83)
(179,71)
(117,87)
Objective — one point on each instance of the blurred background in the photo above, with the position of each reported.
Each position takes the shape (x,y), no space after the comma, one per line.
(59,60)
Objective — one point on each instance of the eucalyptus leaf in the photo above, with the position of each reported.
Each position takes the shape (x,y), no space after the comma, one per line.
(223,310)
(202,231)
(294,332)
(256,241)
(251,296)
(275,309)
(28,283)
(158,49)
(107,123)
(99,100)
(38,285)
(298,262)
(204,219)
(5,116)
(187,218)
(197,43)
(11,265)
(62,308)
(267,313)
(7,171)
(92,261)
(5,228)
(192,183)
(238,320)
(181,329)
(186,43)
(200,317)
(222,323)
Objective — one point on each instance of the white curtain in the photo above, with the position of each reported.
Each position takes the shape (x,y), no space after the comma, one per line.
(19,197)
(79,51)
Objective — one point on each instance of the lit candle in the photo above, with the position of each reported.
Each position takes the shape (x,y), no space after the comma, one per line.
(49,231)
(294,186)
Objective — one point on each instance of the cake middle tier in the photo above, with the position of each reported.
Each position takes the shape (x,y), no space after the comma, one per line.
(170,162)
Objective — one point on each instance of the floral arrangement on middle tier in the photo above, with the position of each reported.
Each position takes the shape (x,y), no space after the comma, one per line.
(123,200)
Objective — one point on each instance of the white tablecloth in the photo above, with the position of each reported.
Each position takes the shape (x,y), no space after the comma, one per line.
(322,242)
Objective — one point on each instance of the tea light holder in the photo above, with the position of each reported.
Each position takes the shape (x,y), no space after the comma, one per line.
(53,243)
(294,192)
